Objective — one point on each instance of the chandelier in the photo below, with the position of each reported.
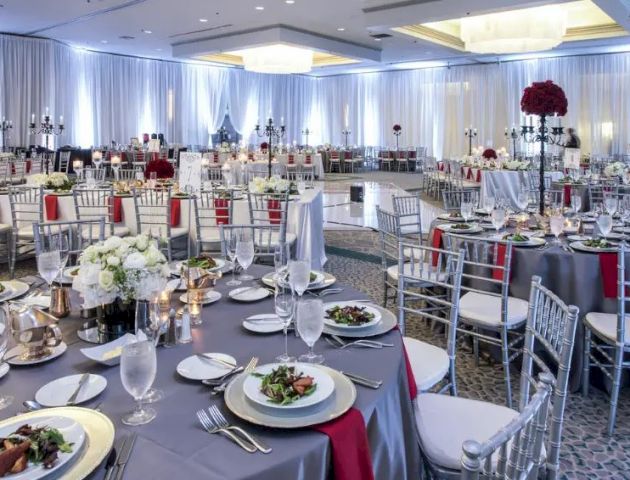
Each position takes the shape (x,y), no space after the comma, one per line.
(277,59)
(517,31)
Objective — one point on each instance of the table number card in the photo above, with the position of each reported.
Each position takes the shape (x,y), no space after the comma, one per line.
(572,158)
(190,171)
(154,146)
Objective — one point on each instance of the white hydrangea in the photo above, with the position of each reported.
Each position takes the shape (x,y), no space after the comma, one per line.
(615,169)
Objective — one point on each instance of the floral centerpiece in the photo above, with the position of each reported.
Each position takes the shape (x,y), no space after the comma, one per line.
(275,184)
(543,99)
(264,146)
(489,153)
(56,181)
(515,165)
(397,129)
(615,169)
(162,168)
(225,148)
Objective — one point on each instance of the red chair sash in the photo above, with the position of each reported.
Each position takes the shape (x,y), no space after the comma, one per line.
(221,210)
(274,210)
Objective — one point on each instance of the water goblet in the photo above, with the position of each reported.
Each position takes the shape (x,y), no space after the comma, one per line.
(605,223)
(576,203)
(610,203)
(498,219)
(138,367)
(231,253)
(284,307)
(310,325)
(281,257)
(488,204)
(556,224)
(301,187)
(49,261)
(245,254)
(299,276)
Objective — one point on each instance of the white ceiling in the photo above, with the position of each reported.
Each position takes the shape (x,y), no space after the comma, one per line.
(99,24)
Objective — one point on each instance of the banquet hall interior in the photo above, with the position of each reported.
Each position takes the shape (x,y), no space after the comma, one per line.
(286,239)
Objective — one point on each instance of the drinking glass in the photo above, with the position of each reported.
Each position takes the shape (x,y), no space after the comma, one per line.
(148,327)
(284,305)
(610,203)
(152,179)
(245,254)
(556,224)
(522,200)
(89,178)
(49,261)
(5,333)
(488,204)
(466,207)
(498,218)
(299,276)
(281,256)
(576,203)
(138,366)
(301,187)
(605,223)
(310,325)
(231,253)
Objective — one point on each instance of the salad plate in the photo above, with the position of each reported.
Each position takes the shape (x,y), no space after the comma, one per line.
(271,386)
(197,368)
(594,246)
(337,404)
(210,264)
(387,323)
(453,217)
(315,279)
(209,297)
(11,289)
(269,279)
(263,323)
(249,294)
(350,315)
(461,228)
(57,392)
(519,240)
(55,426)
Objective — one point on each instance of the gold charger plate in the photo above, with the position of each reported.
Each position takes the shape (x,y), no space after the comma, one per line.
(99,431)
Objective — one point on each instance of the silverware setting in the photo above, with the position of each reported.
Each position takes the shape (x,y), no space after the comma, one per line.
(222,422)
(119,456)
(323,293)
(121,461)
(218,381)
(211,428)
(248,369)
(364,382)
(73,398)
(205,356)
(341,344)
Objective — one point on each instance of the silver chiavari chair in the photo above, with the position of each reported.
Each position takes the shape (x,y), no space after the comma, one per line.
(95,203)
(27,207)
(512,453)
(606,341)
(452,198)
(37,164)
(547,347)
(408,212)
(430,269)
(18,172)
(271,209)
(153,217)
(597,192)
(486,305)
(64,161)
(264,236)
(5,172)
(126,174)
(98,174)
(212,209)
(80,234)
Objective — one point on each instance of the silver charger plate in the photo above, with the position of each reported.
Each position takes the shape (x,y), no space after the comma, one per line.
(13,289)
(336,405)
(583,248)
(327,282)
(387,323)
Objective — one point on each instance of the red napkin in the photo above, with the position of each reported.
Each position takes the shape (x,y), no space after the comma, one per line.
(436,243)
(413,388)
(52,213)
(221,211)
(351,456)
(567,194)
(478,176)
(441,167)
(469,176)
(176,208)
(608,269)
(291,160)
(497,273)
(307,160)
(28,166)
(275,211)
(117,215)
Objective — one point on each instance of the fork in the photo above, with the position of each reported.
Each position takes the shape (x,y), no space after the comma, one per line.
(211,428)
(248,369)
(222,422)
(361,343)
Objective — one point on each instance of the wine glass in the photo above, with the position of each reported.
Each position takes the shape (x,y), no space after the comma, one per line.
(245,254)
(231,253)
(488,204)
(310,325)
(605,223)
(466,207)
(299,276)
(138,366)
(556,224)
(285,306)
(522,200)
(498,218)
(281,255)
(5,333)
(49,261)
(610,203)
(576,203)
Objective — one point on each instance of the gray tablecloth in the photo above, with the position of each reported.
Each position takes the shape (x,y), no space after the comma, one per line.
(174,446)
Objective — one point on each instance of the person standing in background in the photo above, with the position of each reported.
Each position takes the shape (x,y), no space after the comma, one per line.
(573,141)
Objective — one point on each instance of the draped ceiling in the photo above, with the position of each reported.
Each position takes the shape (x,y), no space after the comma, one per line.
(106,97)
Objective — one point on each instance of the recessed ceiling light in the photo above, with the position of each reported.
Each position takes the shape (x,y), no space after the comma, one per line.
(203,20)
(377,39)
(146,31)
(103,41)
(158,49)
(341,29)
(260,7)
(289,2)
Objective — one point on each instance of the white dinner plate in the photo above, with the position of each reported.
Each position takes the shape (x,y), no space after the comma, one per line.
(616,236)
(4,369)
(58,392)
(324,382)
(532,242)
(220,263)
(455,218)
(319,278)
(211,296)
(583,248)
(388,322)
(577,238)
(450,227)
(328,280)
(12,289)
(72,432)
(263,323)
(19,349)
(367,308)
(249,294)
(196,368)
(109,353)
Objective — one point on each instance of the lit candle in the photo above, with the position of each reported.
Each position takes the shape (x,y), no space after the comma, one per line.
(32,118)
(46,111)
(195,312)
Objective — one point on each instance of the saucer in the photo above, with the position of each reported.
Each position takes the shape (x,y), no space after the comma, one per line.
(19,349)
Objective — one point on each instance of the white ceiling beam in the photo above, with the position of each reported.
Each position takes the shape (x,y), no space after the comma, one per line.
(618,10)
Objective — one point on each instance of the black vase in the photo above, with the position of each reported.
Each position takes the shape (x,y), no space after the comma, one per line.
(116,319)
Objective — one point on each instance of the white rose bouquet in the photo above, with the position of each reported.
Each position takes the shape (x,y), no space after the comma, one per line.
(615,169)
(57,181)
(130,268)
(274,184)
(515,165)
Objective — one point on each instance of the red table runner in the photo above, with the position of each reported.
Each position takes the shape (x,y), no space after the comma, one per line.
(52,207)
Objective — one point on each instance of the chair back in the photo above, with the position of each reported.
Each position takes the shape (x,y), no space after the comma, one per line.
(153,211)
(264,236)
(408,214)
(64,161)
(27,206)
(269,209)
(212,209)
(98,174)
(80,234)
(126,174)
(550,328)
(94,203)
(513,452)
(452,198)
(597,192)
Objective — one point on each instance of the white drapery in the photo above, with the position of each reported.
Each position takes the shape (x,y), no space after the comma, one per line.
(109,97)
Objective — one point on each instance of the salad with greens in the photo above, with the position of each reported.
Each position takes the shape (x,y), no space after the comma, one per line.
(284,385)
(597,243)
(516,237)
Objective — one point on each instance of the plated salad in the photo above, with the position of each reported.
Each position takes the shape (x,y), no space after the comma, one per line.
(350,315)
(284,385)
(30,445)
(204,262)
(597,243)
(516,237)
(461,226)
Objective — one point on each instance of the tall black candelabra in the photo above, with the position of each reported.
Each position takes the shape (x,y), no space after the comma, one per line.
(470,133)
(5,126)
(46,128)
(513,134)
(223,135)
(271,132)
(306,132)
(346,133)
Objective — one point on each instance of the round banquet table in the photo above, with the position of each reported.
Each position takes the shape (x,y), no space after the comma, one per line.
(174,445)
(574,276)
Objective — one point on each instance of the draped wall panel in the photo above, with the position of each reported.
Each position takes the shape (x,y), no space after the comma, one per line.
(109,97)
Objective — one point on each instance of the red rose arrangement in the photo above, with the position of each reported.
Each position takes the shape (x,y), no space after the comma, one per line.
(162,168)
(544,99)
(397,128)
(264,146)
(489,153)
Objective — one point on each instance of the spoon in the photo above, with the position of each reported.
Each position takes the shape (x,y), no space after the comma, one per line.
(32,405)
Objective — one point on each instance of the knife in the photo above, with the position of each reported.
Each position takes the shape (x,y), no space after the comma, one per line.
(124,455)
(110,463)
(214,359)
(111,467)
(73,398)
(366,382)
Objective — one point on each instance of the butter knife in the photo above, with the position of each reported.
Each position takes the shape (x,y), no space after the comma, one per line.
(73,398)
(217,360)
(124,455)
(365,382)
(112,465)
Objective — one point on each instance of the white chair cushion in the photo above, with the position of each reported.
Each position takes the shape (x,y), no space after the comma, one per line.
(605,325)
(4,227)
(486,309)
(428,363)
(210,234)
(178,232)
(392,272)
(119,231)
(275,236)
(445,423)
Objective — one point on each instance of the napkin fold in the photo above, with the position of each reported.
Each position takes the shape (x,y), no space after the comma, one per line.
(436,242)
(176,211)
(497,273)
(51,205)
(567,194)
